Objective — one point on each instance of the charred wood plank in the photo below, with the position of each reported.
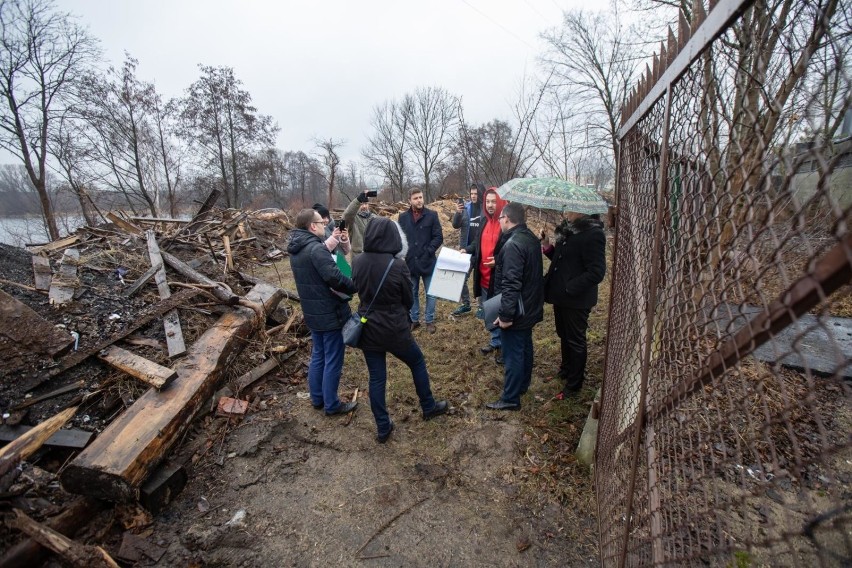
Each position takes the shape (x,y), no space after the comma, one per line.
(116,463)
(73,438)
(22,330)
(52,394)
(146,371)
(142,280)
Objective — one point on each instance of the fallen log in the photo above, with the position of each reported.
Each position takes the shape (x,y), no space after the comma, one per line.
(28,552)
(116,463)
(146,371)
(220,292)
(26,445)
(171,320)
(74,553)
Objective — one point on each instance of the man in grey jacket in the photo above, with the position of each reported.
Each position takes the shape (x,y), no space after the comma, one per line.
(357,214)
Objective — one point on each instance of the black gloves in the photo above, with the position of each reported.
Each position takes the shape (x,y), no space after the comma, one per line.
(362,197)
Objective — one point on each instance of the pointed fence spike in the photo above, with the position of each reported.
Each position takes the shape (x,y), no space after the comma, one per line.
(682,30)
(698,14)
(672,47)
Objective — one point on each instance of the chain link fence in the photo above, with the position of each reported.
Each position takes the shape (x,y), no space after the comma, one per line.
(725,434)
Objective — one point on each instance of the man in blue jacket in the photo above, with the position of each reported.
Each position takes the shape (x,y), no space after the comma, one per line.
(324,292)
(467,220)
(518,278)
(423,231)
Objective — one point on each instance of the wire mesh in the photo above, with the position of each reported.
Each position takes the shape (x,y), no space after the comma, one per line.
(724,435)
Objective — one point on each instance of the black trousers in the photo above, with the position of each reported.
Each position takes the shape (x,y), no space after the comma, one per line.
(571,327)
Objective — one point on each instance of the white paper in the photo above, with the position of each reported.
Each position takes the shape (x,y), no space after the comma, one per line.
(449,274)
(450,259)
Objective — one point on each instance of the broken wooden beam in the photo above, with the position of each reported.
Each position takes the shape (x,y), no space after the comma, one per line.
(256,373)
(65,282)
(72,552)
(54,245)
(26,445)
(42,274)
(146,371)
(162,486)
(171,320)
(220,292)
(123,224)
(142,280)
(29,553)
(121,457)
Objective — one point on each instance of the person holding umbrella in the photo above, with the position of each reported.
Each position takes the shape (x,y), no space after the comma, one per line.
(577,266)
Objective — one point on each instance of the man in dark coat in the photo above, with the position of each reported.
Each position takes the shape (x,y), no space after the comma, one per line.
(518,277)
(323,292)
(577,266)
(423,231)
(467,219)
(386,329)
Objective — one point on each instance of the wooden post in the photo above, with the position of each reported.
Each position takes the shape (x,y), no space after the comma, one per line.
(74,553)
(171,321)
(116,462)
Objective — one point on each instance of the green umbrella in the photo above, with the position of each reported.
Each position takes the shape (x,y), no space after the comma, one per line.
(554,194)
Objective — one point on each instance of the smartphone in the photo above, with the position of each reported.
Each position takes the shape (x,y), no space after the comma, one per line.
(341,224)
(372,193)
(461,201)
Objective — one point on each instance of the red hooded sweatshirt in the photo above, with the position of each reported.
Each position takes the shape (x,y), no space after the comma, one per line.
(489,236)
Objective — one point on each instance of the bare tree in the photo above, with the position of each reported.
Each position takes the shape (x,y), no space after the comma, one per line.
(593,67)
(386,150)
(42,52)
(71,153)
(331,162)
(431,117)
(219,121)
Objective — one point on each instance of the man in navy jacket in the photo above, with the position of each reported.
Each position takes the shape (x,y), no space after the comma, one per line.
(423,231)
(322,290)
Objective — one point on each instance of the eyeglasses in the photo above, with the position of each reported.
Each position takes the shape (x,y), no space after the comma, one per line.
(315,222)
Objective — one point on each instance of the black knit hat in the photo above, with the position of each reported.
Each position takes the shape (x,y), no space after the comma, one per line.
(322,210)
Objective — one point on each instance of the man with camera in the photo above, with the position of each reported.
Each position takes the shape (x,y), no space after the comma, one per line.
(356,215)
(336,235)
(466,219)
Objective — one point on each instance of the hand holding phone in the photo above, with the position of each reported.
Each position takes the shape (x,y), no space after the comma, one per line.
(341,224)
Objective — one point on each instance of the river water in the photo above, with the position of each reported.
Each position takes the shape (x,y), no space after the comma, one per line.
(18,231)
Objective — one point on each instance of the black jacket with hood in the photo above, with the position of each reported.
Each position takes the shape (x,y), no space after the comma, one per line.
(316,274)
(388,324)
(577,264)
(518,276)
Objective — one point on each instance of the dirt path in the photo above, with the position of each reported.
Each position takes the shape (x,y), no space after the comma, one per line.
(318,492)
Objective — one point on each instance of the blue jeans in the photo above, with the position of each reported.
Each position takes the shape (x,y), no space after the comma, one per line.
(377,366)
(431,301)
(495,334)
(325,367)
(518,364)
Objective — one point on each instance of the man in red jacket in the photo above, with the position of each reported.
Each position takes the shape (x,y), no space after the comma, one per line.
(484,250)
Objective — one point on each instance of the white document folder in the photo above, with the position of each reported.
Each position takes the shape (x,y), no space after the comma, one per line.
(448,277)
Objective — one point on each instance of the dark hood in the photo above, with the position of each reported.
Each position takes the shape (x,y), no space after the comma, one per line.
(579,225)
(382,236)
(299,239)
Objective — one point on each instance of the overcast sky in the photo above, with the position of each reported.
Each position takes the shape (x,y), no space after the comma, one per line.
(320,67)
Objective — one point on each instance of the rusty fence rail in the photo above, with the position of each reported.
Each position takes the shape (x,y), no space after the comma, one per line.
(725,435)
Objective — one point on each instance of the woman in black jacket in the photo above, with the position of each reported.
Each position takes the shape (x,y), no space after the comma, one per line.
(577,266)
(387,329)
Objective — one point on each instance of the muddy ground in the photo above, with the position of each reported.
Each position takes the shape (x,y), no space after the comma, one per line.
(288,486)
